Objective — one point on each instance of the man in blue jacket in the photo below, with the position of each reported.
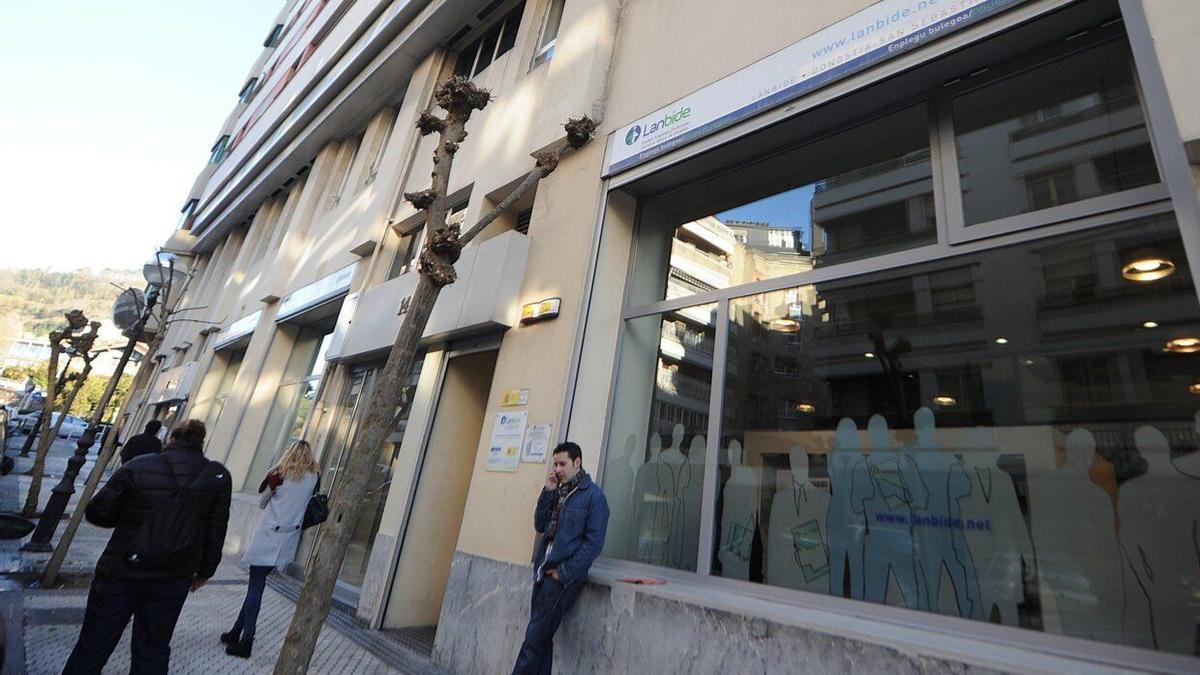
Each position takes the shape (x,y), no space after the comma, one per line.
(571,516)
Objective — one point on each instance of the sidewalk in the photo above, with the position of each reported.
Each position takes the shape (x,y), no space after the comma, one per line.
(52,617)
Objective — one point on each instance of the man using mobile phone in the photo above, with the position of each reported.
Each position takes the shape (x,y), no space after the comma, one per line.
(572,516)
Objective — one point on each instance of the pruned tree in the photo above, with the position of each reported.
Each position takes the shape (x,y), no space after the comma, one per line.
(459,98)
(80,338)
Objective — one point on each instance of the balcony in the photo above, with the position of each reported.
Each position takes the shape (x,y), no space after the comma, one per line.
(672,382)
(485,297)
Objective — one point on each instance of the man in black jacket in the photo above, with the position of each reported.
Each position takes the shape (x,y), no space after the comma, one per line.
(145,443)
(152,597)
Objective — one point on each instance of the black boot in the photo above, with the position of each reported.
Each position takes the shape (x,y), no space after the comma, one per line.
(231,637)
(240,648)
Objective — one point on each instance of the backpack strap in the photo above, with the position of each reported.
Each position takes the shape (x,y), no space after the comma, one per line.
(196,480)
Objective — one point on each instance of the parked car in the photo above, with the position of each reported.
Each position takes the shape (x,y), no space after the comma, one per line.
(72,426)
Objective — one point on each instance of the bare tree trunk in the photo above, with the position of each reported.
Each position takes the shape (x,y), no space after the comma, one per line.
(459,98)
(351,486)
(47,440)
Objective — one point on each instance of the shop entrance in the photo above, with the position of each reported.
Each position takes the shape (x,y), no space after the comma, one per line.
(440,494)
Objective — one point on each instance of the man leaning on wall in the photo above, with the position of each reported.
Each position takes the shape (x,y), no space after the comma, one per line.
(572,516)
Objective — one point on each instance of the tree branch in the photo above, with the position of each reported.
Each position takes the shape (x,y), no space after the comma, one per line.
(579,132)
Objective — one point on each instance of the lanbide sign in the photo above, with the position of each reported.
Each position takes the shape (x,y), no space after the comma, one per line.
(867,37)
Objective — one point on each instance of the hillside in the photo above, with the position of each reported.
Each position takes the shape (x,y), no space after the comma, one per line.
(33,301)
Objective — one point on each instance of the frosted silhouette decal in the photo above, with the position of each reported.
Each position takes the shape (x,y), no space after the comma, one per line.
(739,517)
(798,547)
(1074,537)
(654,491)
(996,532)
(939,526)
(894,492)
(1158,517)
(846,521)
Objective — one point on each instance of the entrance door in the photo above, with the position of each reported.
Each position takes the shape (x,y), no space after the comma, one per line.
(435,516)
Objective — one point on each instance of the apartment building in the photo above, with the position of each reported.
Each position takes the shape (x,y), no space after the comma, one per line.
(876,323)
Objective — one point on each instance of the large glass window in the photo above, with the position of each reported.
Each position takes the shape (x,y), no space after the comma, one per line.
(349,414)
(654,471)
(293,403)
(847,196)
(1063,132)
(998,430)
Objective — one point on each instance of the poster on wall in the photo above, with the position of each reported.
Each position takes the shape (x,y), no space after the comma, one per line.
(508,434)
(537,443)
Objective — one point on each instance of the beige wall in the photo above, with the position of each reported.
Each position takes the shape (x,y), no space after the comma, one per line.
(441,491)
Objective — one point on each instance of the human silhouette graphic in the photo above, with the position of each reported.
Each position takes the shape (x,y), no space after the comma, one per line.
(846,522)
(798,543)
(895,492)
(739,516)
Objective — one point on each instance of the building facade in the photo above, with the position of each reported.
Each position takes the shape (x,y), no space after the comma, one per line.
(877,324)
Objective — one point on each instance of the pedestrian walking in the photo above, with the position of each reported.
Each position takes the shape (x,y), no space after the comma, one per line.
(145,443)
(285,493)
(169,512)
(572,516)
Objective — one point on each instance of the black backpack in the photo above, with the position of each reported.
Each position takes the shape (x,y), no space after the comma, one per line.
(167,537)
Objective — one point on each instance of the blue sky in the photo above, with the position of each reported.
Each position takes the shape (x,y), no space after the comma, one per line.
(790,210)
(109,110)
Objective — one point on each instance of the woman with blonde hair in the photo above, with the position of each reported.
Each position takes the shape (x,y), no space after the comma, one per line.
(285,493)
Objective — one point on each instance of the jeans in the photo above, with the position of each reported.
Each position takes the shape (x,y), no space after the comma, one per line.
(154,607)
(549,604)
(250,606)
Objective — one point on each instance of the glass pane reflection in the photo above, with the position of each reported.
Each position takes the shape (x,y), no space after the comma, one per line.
(654,468)
(1066,131)
(858,193)
(964,437)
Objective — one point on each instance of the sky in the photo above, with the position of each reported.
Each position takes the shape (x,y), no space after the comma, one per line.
(107,114)
(790,210)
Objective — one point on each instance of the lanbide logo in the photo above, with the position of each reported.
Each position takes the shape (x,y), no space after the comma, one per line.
(635,132)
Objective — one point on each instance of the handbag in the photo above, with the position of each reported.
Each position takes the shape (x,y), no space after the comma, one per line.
(317,510)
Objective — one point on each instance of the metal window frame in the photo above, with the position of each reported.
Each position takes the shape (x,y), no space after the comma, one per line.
(952,241)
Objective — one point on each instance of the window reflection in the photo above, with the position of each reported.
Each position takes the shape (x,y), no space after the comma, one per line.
(1065,131)
(855,194)
(654,469)
(964,437)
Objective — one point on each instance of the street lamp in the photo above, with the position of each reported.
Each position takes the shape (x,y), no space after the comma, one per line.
(162,275)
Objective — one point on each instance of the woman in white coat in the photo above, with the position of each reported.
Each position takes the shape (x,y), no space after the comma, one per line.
(285,494)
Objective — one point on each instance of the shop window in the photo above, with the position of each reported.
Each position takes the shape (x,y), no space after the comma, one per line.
(1063,132)
(855,194)
(293,404)
(493,44)
(665,385)
(899,455)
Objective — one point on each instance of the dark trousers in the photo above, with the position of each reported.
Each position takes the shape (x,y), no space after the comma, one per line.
(549,604)
(154,607)
(244,626)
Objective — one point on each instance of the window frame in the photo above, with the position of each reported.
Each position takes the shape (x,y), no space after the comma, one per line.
(959,232)
(545,49)
(219,150)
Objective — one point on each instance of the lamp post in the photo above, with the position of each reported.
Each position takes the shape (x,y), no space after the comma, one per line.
(161,278)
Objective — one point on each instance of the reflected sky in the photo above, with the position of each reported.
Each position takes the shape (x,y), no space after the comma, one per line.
(787,210)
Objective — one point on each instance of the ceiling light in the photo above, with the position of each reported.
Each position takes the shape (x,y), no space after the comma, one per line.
(1147,266)
(1001,341)
(1194,388)
(869,355)
(944,400)
(1150,324)
(1184,345)
(785,325)
(805,407)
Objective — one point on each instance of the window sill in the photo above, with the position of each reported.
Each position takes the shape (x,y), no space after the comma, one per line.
(976,643)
